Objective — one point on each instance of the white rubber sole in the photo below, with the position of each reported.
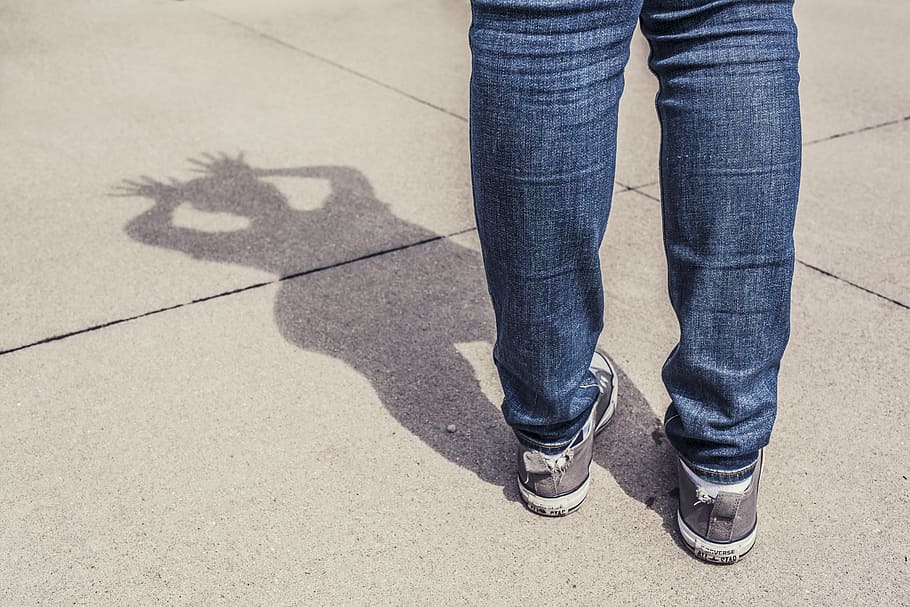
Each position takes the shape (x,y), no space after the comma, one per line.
(555,506)
(713,552)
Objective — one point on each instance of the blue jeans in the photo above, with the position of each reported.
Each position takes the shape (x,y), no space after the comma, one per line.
(545,87)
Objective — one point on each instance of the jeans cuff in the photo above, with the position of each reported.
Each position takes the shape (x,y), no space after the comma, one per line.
(721,477)
(545,448)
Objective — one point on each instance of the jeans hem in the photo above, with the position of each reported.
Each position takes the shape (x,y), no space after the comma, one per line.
(721,477)
(710,472)
(530,443)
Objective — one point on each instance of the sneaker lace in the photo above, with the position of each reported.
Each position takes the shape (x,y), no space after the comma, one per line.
(559,465)
(702,497)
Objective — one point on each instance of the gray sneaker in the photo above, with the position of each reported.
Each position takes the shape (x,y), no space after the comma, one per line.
(718,529)
(555,485)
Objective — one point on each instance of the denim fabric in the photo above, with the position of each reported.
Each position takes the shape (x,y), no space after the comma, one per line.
(546,80)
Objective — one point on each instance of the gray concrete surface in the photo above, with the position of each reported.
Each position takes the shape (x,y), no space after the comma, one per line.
(205,432)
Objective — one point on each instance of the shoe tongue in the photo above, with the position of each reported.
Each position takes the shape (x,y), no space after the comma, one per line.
(584,432)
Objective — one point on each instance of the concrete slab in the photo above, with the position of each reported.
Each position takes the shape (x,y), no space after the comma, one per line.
(853,218)
(848,81)
(155,84)
(419,48)
(287,445)
(640,329)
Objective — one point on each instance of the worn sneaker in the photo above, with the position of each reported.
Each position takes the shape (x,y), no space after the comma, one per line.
(555,485)
(719,529)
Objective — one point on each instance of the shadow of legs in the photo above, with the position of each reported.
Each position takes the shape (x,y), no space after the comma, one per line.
(637,454)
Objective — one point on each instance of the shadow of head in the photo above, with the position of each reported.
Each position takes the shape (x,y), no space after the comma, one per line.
(339,218)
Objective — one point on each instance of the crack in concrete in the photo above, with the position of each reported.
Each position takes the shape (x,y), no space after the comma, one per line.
(853,284)
(243,289)
(638,190)
(643,185)
(859,130)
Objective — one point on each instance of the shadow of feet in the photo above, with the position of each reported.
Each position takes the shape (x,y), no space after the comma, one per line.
(637,454)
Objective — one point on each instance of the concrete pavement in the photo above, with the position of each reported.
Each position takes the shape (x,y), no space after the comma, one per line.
(248,405)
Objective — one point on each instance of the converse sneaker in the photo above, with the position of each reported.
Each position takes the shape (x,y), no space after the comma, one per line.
(555,485)
(717,526)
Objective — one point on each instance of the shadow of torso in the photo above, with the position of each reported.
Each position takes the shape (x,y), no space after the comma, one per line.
(355,286)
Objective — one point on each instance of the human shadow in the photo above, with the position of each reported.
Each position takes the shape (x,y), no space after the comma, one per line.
(395,317)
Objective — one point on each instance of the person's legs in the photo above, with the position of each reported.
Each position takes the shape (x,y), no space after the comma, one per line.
(545,87)
(729,167)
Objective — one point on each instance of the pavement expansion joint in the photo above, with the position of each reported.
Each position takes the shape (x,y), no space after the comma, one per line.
(335,64)
(639,190)
(871,127)
(639,186)
(899,304)
(236,291)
